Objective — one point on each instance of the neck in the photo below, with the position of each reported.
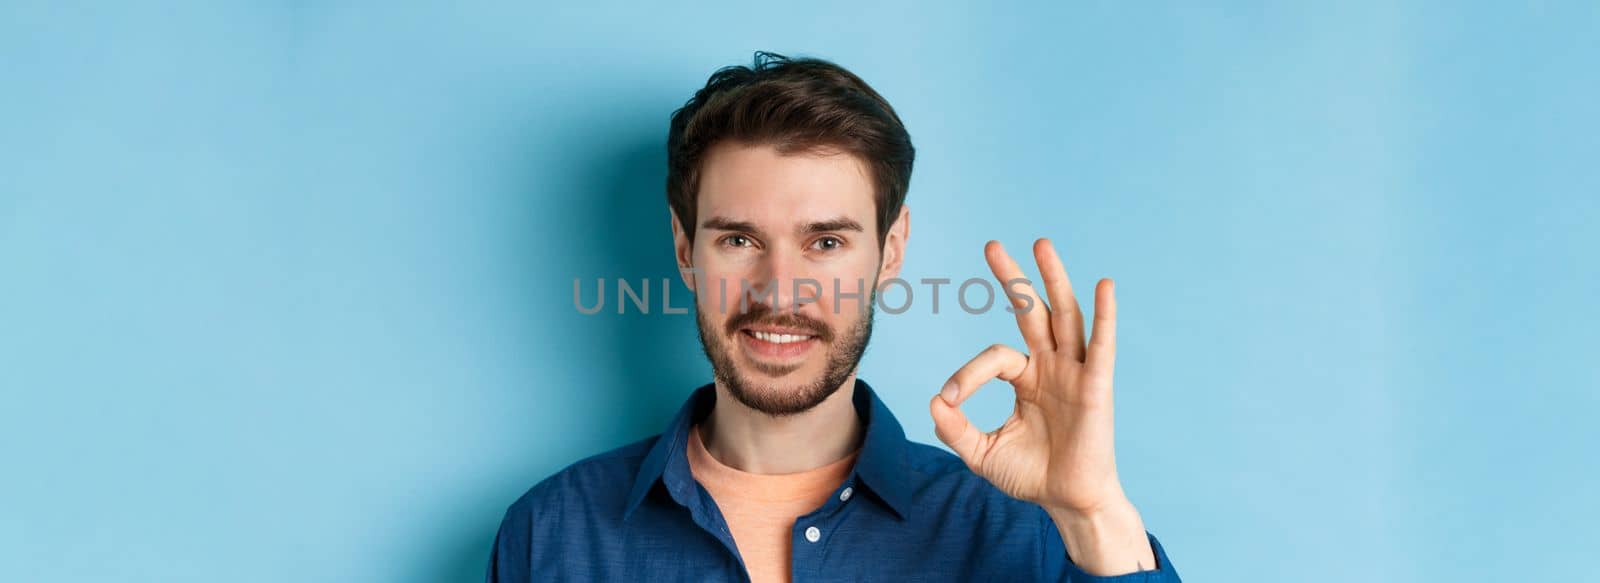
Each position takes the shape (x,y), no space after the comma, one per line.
(752,441)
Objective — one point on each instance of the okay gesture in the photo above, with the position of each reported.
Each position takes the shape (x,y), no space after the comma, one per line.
(1056,449)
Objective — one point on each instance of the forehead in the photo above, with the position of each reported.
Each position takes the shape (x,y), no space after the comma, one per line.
(757,183)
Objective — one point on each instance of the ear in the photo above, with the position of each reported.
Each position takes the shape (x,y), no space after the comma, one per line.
(683,249)
(894,245)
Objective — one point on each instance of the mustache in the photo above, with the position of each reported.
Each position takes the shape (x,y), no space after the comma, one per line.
(758,314)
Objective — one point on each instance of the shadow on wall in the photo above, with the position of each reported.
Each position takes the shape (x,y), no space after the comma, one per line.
(647,363)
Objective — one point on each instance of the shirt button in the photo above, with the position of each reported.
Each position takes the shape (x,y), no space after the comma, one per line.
(845,495)
(813,534)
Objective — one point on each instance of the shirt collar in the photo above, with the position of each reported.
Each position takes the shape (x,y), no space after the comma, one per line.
(881,466)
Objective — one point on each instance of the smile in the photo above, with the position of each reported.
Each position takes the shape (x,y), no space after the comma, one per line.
(779,338)
(776,344)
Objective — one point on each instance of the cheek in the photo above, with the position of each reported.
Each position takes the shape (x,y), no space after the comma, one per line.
(718,288)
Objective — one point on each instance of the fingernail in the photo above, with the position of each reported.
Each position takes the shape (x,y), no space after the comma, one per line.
(949,392)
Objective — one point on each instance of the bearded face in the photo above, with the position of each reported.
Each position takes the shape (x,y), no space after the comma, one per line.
(788,254)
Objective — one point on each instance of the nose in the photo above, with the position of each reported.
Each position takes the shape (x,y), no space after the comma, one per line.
(781,282)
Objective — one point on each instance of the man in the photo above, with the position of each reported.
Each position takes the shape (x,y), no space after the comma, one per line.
(786,182)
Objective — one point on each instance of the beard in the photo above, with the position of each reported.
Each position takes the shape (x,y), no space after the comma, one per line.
(843,353)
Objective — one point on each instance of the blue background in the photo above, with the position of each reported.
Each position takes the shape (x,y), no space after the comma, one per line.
(286,288)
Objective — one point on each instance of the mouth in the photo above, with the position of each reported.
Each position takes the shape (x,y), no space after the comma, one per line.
(777,344)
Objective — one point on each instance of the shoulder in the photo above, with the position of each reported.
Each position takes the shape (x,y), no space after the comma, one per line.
(587,494)
(595,480)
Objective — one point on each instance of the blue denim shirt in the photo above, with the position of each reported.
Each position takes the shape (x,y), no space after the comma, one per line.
(906,512)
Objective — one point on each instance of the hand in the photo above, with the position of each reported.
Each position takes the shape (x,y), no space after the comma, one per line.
(1056,449)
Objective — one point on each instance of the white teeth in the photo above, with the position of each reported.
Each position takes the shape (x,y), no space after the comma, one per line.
(779,338)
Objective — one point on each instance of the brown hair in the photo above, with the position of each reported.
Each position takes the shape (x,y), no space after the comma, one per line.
(795,105)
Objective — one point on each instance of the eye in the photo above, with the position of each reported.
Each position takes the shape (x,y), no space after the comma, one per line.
(736,241)
(828,243)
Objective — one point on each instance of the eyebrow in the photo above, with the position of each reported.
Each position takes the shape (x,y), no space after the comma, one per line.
(833,224)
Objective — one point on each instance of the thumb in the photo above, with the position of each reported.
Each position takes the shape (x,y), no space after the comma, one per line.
(953,428)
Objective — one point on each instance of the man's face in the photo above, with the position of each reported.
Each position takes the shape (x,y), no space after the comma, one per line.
(776,233)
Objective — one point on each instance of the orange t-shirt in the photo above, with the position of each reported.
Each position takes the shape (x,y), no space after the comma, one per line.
(761,508)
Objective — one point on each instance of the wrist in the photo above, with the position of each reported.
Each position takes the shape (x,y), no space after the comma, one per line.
(1110,509)
(1106,539)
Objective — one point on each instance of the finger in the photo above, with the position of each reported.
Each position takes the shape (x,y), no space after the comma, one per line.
(1102,355)
(998,361)
(950,424)
(1066,319)
(1033,317)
